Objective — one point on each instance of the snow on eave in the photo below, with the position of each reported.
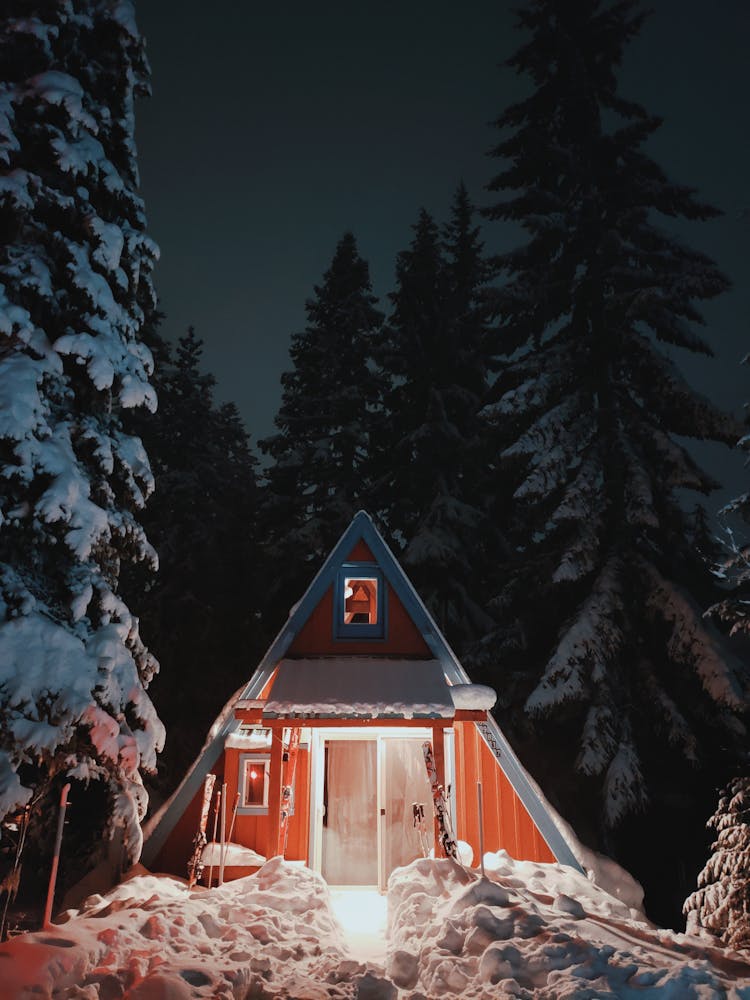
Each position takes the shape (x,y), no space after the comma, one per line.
(358,710)
(473,697)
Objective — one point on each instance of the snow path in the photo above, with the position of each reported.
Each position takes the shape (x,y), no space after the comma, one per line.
(362,914)
(528,932)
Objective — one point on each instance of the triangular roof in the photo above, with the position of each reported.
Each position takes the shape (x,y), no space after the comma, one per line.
(361,529)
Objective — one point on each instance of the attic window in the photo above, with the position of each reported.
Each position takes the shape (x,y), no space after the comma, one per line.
(360,600)
(359,608)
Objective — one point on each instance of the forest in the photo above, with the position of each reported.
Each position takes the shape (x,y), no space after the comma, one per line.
(516,424)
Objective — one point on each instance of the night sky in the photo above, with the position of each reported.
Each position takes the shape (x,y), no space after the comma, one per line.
(271,132)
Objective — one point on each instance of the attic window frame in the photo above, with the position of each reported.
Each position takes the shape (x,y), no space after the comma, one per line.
(359,630)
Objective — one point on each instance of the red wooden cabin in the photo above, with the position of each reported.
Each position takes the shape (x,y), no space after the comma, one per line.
(359,678)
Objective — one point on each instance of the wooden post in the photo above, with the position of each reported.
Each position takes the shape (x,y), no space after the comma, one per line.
(481,826)
(438,752)
(274,793)
(47,920)
(223,831)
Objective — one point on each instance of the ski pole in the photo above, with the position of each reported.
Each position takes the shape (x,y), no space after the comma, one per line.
(47,920)
(213,838)
(231,829)
(12,889)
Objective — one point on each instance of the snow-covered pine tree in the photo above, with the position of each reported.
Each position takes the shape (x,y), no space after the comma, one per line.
(315,481)
(428,461)
(721,903)
(75,265)
(630,691)
(201,608)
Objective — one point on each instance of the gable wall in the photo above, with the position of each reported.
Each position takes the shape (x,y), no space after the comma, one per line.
(361,553)
(316,636)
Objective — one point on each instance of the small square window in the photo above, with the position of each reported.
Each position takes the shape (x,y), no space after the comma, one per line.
(359,605)
(254,783)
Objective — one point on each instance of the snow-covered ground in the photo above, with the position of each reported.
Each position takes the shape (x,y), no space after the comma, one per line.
(526,930)
(544,931)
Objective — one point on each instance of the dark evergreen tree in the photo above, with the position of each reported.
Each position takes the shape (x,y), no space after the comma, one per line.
(75,266)
(732,561)
(631,694)
(428,458)
(201,608)
(315,481)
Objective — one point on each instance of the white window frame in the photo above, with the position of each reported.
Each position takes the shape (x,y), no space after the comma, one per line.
(247,759)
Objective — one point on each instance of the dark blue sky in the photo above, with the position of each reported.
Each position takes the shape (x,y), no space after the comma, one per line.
(269,133)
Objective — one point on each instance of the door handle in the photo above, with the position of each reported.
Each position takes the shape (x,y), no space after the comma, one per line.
(382,812)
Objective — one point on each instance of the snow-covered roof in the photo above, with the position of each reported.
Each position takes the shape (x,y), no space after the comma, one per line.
(360,687)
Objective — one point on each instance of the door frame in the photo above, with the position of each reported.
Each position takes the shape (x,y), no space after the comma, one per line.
(378,734)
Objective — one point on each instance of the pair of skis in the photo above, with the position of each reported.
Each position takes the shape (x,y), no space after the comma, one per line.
(195,864)
(445,835)
(290,760)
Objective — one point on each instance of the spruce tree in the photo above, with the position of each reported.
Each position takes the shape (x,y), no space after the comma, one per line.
(721,903)
(315,481)
(428,453)
(630,692)
(201,608)
(732,559)
(75,265)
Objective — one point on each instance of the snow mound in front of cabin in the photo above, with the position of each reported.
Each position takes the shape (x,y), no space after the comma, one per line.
(151,938)
(541,931)
(527,931)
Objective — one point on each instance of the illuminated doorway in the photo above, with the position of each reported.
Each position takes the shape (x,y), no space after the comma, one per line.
(365,786)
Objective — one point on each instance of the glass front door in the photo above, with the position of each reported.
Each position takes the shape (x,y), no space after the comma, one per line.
(349,850)
(367,791)
(406,786)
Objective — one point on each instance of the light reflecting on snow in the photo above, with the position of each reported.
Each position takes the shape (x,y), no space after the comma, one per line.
(362,915)
(529,931)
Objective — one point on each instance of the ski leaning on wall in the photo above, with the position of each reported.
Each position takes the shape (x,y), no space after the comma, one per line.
(286,792)
(446,837)
(195,862)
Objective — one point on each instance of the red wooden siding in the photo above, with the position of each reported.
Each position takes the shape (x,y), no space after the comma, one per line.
(174,855)
(316,635)
(298,840)
(361,553)
(250,831)
(507,824)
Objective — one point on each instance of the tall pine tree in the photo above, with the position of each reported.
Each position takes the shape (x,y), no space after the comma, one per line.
(315,481)
(201,608)
(631,694)
(75,265)
(428,454)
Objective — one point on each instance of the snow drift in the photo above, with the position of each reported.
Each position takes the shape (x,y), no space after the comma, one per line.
(527,930)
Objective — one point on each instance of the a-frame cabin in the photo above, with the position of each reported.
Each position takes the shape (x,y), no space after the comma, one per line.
(358,679)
